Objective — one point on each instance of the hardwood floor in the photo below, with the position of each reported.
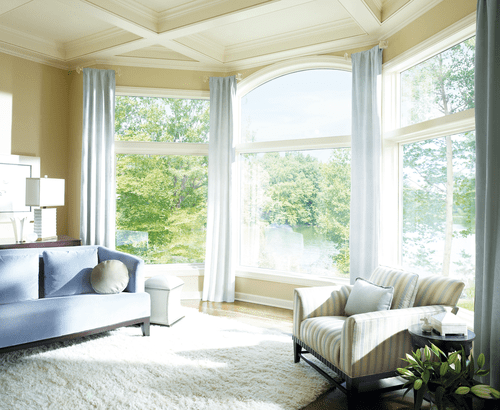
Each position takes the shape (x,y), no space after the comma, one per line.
(282,319)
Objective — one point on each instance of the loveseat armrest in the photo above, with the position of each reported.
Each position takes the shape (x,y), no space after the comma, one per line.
(318,301)
(376,342)
(134,265)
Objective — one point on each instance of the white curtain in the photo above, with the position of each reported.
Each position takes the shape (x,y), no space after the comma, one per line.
(365,163)
(97,205)
(218,283)
(487,108)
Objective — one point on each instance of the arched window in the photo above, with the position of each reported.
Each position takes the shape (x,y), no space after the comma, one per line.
(294,170)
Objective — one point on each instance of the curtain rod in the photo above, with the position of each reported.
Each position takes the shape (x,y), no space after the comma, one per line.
(383,44)
(238,76)
(118,71)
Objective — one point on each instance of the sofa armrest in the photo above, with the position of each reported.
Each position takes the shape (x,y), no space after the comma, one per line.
(318,301)
(134,265)
(376,342)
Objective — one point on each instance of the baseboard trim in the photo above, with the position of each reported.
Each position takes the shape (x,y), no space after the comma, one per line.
(246,297)
(264,300)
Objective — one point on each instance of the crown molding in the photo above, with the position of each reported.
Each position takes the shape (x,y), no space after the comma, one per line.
(30,55)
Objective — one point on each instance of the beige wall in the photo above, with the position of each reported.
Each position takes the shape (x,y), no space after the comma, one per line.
(438,18)
(39,117)
(47,116)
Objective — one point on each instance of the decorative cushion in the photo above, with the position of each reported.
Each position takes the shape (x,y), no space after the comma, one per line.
(404,283)
(438,290)
(18,277)
(68,272)
(368,297)
(109,276)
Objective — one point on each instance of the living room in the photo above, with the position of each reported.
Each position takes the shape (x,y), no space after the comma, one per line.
(41,97)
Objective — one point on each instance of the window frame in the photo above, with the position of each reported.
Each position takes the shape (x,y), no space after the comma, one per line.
(394,136)
(164,148)
(244,87)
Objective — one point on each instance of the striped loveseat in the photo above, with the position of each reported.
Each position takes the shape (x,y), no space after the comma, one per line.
(367,346)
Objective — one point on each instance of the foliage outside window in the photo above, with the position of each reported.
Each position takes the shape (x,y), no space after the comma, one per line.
(441,85)
(161,199)
(295,203)
(439,174)
(439,209)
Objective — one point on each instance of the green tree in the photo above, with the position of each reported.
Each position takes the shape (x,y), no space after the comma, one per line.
(442,85)
(164,196)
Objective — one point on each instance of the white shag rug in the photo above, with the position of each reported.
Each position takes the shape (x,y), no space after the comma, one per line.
(201,362)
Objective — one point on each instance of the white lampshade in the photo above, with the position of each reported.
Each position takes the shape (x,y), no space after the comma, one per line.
(44,192)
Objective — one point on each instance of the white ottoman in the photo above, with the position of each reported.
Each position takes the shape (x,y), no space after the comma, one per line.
(165,292)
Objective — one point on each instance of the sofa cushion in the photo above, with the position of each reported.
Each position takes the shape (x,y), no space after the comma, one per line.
(404,283)
(68,272)
(109,276)
(323,335)
(368,297)
(18,277)
(438,290)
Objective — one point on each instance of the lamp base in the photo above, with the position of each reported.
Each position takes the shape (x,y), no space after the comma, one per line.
(45,223)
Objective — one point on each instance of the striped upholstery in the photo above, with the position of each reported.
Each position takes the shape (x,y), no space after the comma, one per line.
(438,290)
(318,301)
(323,335)
(375,342)
(405,285)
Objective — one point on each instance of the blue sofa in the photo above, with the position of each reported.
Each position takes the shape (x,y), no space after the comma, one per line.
(46,295)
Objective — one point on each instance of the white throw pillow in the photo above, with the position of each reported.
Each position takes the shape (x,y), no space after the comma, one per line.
(368,297)
(109,276)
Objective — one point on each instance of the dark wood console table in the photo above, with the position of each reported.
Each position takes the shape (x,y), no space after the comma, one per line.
(62,240)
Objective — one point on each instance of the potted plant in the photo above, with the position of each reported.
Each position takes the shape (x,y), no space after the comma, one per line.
(448,381)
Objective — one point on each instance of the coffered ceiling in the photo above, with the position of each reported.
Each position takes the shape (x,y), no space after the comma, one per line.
(213,35)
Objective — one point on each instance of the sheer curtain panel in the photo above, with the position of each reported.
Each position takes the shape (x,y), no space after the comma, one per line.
(487,108)
(97,206)
(218,285)
(365,163)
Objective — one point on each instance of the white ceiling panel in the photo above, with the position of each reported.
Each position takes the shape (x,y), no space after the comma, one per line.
(52,20)
(209,35)
(309,15)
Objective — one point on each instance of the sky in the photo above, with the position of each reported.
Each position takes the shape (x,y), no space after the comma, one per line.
(306,104)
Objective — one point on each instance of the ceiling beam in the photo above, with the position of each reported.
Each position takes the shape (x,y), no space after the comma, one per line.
(138,23)
(362,14)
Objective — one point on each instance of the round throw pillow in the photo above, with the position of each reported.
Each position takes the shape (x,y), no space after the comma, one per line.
(109,276)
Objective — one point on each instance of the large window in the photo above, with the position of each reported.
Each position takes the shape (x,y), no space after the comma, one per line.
(439,208)
(295,174)
(435,140)
(161,178)
(441,85)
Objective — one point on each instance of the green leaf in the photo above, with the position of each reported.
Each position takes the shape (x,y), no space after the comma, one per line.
(426,376)
(481,360)
(427,353)
(443,368)
(418,384)
(462,390)
(481,390)
(495,393)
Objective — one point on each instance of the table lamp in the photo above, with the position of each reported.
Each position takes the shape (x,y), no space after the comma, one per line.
(44,192)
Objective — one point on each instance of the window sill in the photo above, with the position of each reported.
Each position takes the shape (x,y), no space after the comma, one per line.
(288,278)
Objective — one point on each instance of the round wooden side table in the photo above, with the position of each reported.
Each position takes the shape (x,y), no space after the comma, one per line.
(448,344)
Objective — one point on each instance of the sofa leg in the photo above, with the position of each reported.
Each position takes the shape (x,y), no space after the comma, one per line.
(352,388)
(297,349)
(145,328)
